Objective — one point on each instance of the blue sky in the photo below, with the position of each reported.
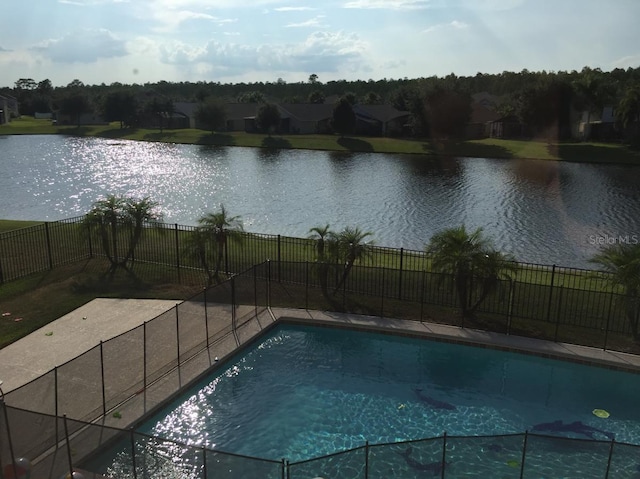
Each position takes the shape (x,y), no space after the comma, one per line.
(138,41)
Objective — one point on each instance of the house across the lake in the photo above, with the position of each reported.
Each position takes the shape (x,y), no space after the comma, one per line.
(8,108)
(307,118)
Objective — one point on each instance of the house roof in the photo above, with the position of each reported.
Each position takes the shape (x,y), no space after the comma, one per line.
(383,113)
(307,111)
(241,110)
(482,114)
(186,108)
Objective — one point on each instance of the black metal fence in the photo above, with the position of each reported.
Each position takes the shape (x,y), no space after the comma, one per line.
(542,301)
(557,313)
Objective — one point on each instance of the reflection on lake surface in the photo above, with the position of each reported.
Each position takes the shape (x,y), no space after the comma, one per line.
(540,211)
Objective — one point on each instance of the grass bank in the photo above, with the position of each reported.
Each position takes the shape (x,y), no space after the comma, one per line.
(10,225)
(485,148)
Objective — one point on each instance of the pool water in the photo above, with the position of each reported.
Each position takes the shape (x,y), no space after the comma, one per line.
(304,392)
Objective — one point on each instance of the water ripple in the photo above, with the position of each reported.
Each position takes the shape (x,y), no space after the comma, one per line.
(540,211)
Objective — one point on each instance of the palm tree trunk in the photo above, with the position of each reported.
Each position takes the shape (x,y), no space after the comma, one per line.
(345,273)
(462,287)
(114,244)
(219,258)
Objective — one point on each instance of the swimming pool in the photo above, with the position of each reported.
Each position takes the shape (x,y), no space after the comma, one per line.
(301,392)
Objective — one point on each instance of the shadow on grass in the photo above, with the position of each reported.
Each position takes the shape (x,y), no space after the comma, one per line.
(76,131)
(590,153)
(466,149)
(117,132)
(217,139)
(355,144)
(273,142)
(157,136)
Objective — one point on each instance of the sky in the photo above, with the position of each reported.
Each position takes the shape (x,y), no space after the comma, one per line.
(231,41)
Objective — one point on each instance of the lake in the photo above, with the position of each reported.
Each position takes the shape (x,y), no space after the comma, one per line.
(540,211)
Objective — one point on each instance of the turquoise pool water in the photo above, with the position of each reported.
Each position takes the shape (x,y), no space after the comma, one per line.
(304,392)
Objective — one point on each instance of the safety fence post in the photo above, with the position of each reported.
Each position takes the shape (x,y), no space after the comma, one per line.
(55,397)
(255,289)
(177,334)
(306,285)
(553,275)
(206,318)
(204,462)
(133,454)
(382,295)
(524,453)
(444,454)
(279,259)
(268,283)
(66,438)
(11,452)
(606,329)
(48,238)
(104,392)
(177,251)
(613,441)
(400,274)
(422,286)
(558,315)
(366,460)
(144,362)
(512,295)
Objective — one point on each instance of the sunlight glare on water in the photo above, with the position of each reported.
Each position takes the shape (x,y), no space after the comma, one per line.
(539,211)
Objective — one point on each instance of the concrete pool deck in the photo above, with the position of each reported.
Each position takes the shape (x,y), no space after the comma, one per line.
(102,319)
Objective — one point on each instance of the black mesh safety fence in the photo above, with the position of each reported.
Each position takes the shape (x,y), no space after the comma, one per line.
(351,463)
(123,368)
(78,415)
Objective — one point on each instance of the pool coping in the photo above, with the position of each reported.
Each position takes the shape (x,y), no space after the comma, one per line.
(586,355)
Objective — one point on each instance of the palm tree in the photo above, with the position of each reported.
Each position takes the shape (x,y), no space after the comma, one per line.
(197,247)
(622,262)
(490,271)
(137,213)
(350,247)
(467,255)
(322,235)
(222,228)
(118,213)
(324,239)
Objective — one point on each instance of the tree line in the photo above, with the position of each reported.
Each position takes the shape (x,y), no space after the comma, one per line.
(439,106)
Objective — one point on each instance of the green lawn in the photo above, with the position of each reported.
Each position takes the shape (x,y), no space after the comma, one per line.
(9,225)
(486,148)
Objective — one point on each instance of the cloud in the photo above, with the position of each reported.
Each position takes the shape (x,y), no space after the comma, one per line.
(319,52)
(630,61)
(86,3)
(492,5)
(4,50)
(170,20)
(313,22)
(293,9)
(83,46)
(455,24)
(389,4)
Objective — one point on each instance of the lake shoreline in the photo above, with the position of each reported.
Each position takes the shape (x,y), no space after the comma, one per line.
(575,152)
